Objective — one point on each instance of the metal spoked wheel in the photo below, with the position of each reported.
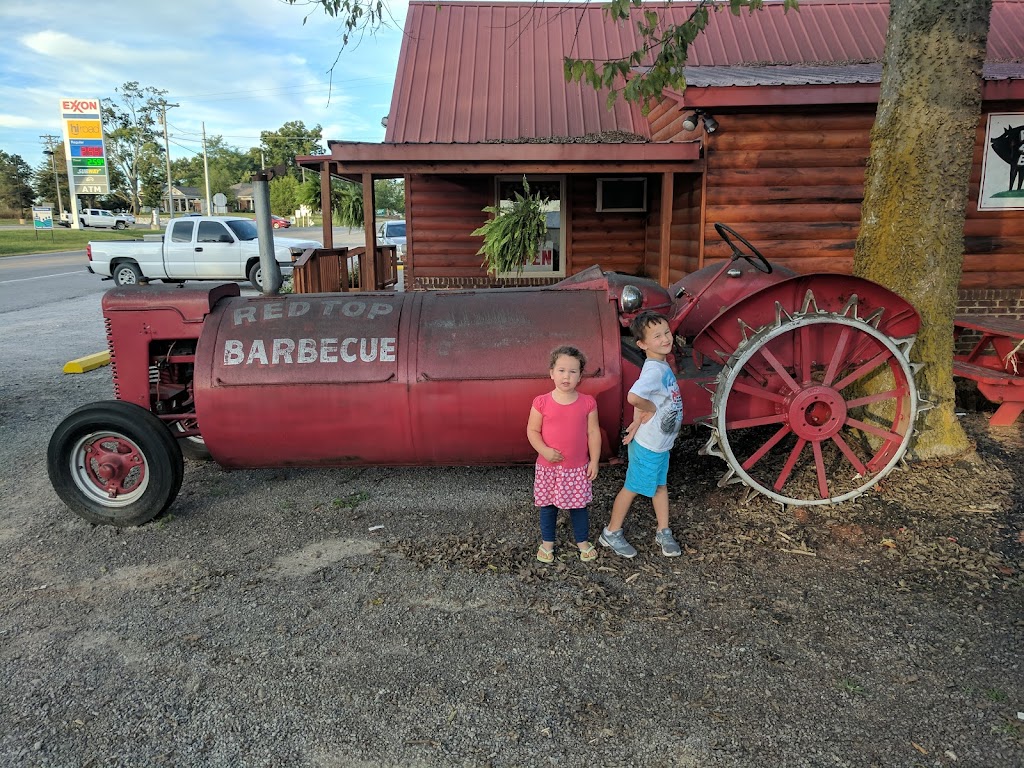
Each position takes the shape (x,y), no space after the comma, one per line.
(790,417)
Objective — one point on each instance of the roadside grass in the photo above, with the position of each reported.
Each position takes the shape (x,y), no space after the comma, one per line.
(14,242)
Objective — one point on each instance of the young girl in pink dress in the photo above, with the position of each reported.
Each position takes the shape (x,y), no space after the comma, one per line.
(563,429)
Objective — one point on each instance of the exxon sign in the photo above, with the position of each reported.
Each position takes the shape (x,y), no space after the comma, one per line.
(80,106)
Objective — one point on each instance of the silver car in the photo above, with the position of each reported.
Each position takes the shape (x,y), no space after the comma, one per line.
(393,233)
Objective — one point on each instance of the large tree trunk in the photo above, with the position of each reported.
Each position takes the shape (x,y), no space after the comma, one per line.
(915,194)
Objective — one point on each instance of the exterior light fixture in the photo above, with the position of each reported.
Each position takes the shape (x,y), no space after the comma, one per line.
(632,298)
(692,118)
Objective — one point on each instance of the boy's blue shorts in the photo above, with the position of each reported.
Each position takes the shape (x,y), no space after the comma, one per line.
(646,470)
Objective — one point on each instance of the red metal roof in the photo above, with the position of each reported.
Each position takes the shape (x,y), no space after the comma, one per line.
(471,72)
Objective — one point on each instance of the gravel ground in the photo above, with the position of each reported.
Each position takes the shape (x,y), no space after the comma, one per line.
(264,622)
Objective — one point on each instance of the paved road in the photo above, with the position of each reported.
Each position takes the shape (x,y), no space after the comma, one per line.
(34,280)
(43,278)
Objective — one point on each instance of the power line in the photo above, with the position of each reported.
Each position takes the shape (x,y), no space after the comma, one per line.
(187,149)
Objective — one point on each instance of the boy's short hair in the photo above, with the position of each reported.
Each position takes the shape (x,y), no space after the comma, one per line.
(638,327)
(568,351)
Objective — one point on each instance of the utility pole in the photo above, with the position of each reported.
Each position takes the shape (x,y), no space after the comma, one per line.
(167,151)
(206,173)
(50,144)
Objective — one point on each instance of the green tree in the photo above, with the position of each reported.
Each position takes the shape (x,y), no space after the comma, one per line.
(152,178)
(130,124)
(357,16)
(660,59)
(309,193)
(16,193)
(284,195)
(347,198)
(915,196)
(291,140)
(46,185)
(227,165)
(389,194)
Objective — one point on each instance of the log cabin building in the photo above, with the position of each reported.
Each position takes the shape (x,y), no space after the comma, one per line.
(771,136)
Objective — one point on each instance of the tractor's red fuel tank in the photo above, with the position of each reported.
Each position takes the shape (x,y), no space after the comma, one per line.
(395,378)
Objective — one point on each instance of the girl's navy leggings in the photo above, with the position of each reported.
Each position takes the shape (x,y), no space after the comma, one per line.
(580,523)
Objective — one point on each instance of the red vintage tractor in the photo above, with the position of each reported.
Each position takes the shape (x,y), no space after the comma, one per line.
(771,361)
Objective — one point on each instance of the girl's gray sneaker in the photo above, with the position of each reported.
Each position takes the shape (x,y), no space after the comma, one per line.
(617,541)
(669,545)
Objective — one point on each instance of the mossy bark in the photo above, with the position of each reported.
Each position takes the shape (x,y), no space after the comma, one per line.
(916,189)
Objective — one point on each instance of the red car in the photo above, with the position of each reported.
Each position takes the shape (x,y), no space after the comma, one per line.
(279,222)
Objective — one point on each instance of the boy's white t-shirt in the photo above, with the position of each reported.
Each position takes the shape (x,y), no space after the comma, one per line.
(658,384)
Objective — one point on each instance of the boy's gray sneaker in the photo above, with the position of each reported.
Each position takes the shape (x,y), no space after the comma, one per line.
(617,541)
(669,545)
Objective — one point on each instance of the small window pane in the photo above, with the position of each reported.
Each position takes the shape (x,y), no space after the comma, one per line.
(212,232)
(182,231)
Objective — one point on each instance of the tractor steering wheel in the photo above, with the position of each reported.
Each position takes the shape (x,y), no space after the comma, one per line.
(755,257)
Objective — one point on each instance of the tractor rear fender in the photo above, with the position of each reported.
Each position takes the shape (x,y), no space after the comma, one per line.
(806,294)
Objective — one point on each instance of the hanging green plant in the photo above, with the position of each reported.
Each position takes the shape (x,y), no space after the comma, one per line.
(514,234)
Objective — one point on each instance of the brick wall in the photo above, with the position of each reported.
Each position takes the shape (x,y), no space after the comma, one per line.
(999,302)
(1002,302)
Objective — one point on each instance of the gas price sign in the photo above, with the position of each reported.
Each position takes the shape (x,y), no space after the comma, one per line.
(83,144)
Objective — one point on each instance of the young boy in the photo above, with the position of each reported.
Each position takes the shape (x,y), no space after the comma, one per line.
(656,422)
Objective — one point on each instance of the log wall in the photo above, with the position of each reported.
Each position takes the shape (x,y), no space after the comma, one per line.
(684,252)
(790,182)
(443,212)
(617,242)
(793,184)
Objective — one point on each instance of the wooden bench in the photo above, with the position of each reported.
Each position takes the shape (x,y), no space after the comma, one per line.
(993,363)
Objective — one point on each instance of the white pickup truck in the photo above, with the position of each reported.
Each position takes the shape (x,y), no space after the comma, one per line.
(193,248)
(97,217)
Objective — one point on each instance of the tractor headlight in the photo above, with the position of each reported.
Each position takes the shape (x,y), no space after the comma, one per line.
(631,299)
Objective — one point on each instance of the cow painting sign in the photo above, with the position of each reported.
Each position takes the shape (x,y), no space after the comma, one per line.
(1002,170)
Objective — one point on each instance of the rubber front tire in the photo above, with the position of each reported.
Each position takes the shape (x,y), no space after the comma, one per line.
(114,463)
(256,276)
(127,273)
(119,225)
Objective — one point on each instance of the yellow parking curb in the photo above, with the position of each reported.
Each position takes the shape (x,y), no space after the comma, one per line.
(87,363)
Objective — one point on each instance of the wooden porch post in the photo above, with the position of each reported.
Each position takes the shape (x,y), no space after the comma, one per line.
(665,250)
(325,204)
(367,264)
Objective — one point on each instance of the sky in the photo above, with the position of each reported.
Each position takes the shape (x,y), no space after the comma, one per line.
(239,66)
